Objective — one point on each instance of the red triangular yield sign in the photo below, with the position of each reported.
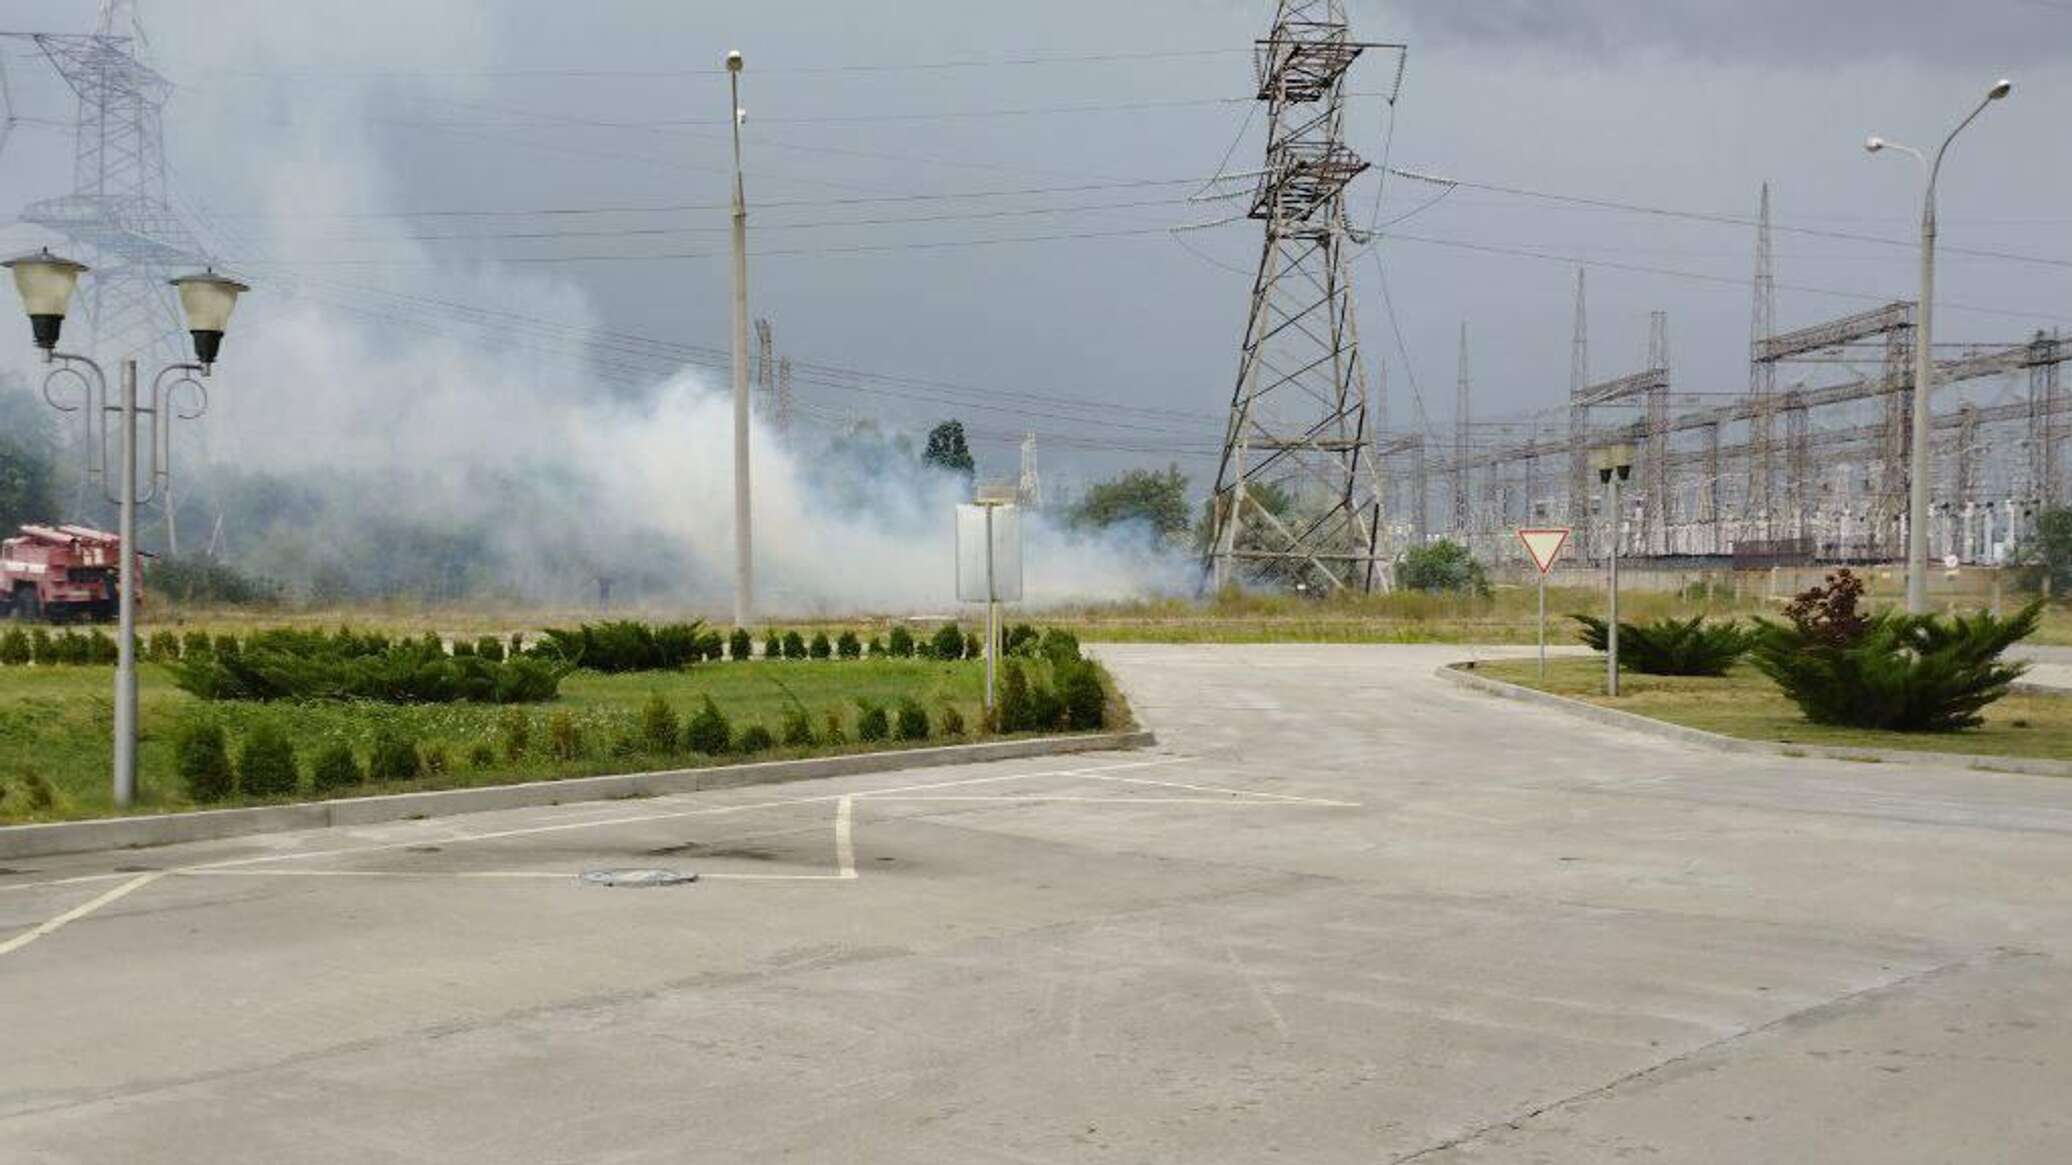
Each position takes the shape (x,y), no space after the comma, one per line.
(1544,545)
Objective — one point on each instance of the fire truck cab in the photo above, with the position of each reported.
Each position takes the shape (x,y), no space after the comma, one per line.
(57,573)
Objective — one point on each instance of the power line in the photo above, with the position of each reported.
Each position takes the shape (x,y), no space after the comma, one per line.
(792,70)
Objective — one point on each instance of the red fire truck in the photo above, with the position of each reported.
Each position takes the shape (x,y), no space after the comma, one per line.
(59,572)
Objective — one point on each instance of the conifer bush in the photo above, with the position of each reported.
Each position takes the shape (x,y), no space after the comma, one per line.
(872,725)
(797,729)
(162,647)
(266,765)
(196,643)
(901,643)
(515,727)
(564,737)
(1046,709)
(336,768)
(756,738)
(708,731)
(912,721)
(834,733)
(740,645)
(951,721)
(658,727)
(821,647)
(201,757)
(463,648)
(491,648)
(877,648)
(848,646)
(1012,714)
(1900,672)
(794,645)
(393,758)
(43,650)
(948,642)
(1020,639)
(1086,702)
(1671,646)
(773,646)
(481,755)
(14,647)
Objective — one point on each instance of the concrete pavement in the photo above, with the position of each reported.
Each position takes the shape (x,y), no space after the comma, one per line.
(1345,912)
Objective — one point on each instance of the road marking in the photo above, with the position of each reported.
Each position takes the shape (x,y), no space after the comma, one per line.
(1037,798)
(78,912)
(1226,789)
(845,845)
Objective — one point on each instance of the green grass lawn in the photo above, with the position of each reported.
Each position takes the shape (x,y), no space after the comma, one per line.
(56,722)
(1744,703)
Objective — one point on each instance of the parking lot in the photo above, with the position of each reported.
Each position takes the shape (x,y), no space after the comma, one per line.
(1344,912)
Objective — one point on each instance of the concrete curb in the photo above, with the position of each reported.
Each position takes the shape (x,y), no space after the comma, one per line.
(26,841)
(1464,676)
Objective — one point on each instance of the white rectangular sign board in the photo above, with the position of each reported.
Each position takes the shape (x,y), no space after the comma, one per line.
(971,554)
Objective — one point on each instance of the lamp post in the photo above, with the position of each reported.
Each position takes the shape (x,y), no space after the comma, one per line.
(1614,466)
(46,283)
(744,569)
(1924,355)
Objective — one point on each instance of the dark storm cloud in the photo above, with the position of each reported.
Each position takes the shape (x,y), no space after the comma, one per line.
(1794,32)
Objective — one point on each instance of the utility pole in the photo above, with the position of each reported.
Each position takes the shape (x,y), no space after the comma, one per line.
(744,569)
(1297,414)
(1461,522)
(1762,376)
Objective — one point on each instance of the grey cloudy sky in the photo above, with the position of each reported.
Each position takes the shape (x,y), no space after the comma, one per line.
(304,128)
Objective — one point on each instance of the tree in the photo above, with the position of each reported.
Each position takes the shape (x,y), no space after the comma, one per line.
(28,490)
(1156,500)
(948,450)
(1442,566)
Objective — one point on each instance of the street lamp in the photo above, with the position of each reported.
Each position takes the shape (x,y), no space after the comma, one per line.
(1924,355)
(46,283)
(1614,464)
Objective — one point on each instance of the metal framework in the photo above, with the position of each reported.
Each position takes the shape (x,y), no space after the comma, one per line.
(1298,414)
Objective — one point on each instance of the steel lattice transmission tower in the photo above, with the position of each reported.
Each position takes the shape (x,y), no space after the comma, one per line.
(118,208)
(1298,415)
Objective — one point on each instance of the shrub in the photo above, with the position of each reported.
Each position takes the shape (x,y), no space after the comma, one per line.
(266,766)
(951,721)
(1046,710)
(288,665)
(1012,712)
(658,728)
(708,731)
(902,643)
(948,642)
(2047,552)
(821,649)
(227,646)
(43,796)
(74,649)
(712,646)
(756,738)
(14,647)
(202,760)
(564,738)
(1904,673)
(491,648)
(872,725)
(1671,647)
(1442,566)
(1059,646)
(912,722)
(877,647)
(1086,702)
(1020,639)
(773,646)
(481,755)
(624,645)
(162,647)
(1827,614)
(848,646)
(336,768)
(196,643)
(797,728)
(517,644)
(516,729)
(794,645)
(436,760)
(43,650)
(973,649)
(834,733)
(740,645)
(463,648)
(394,757)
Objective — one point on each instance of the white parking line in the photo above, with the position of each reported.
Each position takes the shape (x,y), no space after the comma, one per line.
(78,912)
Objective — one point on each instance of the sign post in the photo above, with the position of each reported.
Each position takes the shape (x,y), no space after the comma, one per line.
(1544,545)
(989,563)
